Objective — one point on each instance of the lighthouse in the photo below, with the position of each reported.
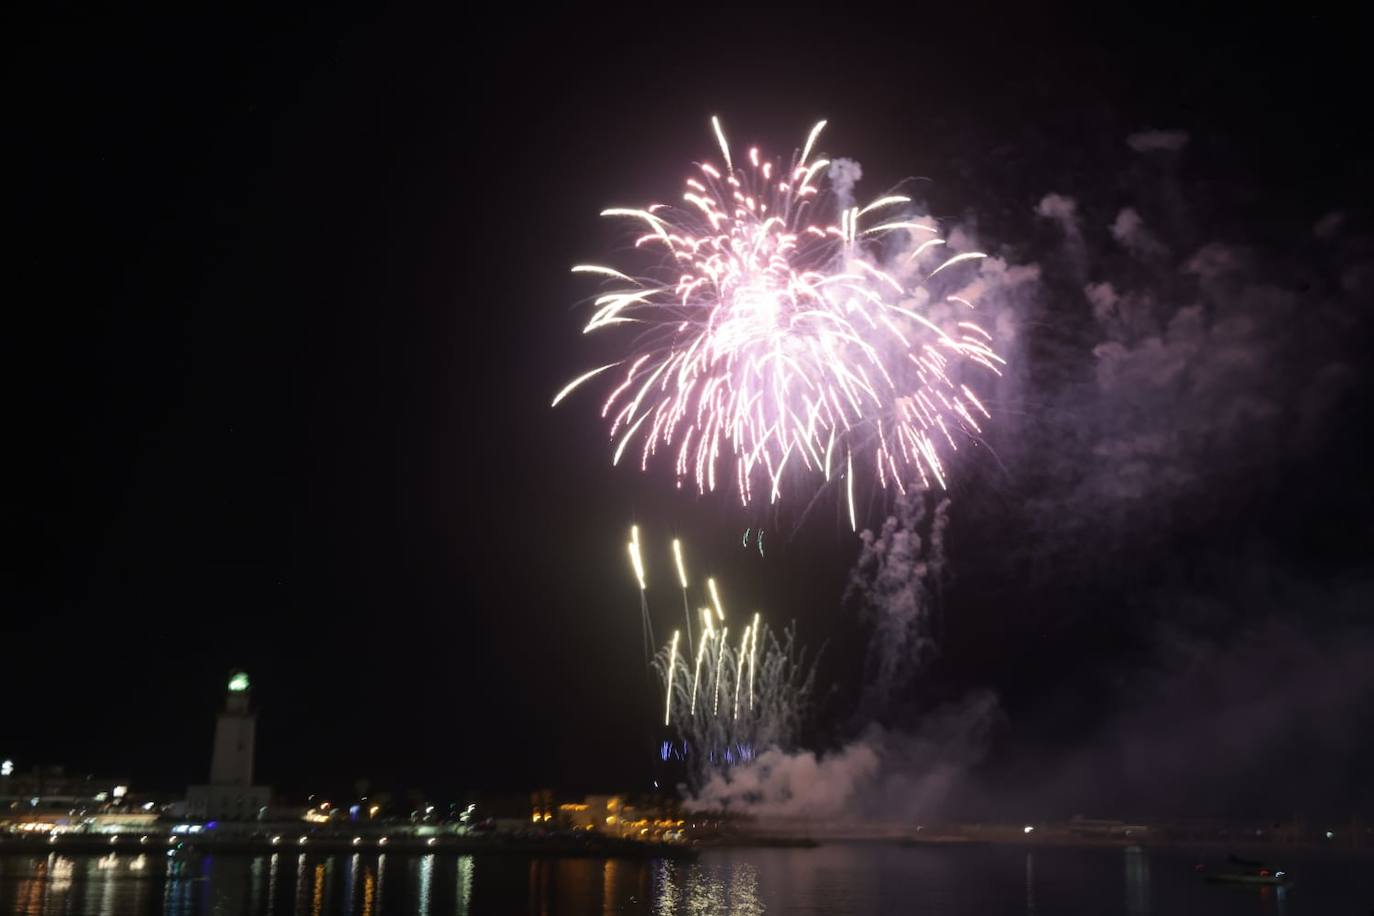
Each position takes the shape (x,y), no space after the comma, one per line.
(231,794)
(232,761)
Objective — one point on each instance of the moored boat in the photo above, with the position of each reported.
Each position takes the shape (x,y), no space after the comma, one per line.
(1244,871)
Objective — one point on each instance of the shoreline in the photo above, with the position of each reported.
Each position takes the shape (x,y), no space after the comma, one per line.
(611,847)
(552,847)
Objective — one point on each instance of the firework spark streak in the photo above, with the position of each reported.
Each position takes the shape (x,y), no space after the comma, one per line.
(672,665)
(739,668)
(753,656)
(637,563)
(715,598)
(696,678)
(682,577)
(770,332)
(720,658)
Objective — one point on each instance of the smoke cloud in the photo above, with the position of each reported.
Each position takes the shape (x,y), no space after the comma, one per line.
(884,776)
(1173,375)
(1330,225)
(1129,230)
(894,583)
(1062,210)
(1157,141)
(844,174)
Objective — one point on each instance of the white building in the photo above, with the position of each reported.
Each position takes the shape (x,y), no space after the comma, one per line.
(231,795)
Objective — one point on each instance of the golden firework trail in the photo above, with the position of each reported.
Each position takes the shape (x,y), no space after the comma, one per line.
(739,668)
(696,678)
(672,666)
(720,657)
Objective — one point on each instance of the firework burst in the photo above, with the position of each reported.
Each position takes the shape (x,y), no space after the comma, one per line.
(760,691)
(733,695)
(775,340)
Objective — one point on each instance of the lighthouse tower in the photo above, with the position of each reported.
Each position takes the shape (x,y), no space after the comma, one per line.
(231,794)
(232,762)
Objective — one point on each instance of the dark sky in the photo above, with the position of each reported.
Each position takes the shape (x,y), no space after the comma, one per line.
(289,296)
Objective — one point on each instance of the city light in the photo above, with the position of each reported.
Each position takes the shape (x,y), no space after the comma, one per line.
(7,768)
(239,682)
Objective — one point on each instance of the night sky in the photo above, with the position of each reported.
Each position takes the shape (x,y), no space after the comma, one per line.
(289,297)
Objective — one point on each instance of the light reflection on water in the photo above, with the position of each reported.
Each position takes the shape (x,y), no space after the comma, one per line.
(693,889)
(426,880)
(860,879)
(1137,882)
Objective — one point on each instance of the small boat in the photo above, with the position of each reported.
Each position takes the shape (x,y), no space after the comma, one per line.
(1277,878)
(1244,871)
(912,842)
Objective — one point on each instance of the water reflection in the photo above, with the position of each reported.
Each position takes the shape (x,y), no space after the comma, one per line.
(176,888)
(107,886)
(321,891)
(467,867)
(299,908)
(1137,882)
(1274,900)
(426,879)
(728,887)
(608,870)
(859,879)
(369,891)
(539,888)
(351,882)
(273,864)
(255,885)
(226,884)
